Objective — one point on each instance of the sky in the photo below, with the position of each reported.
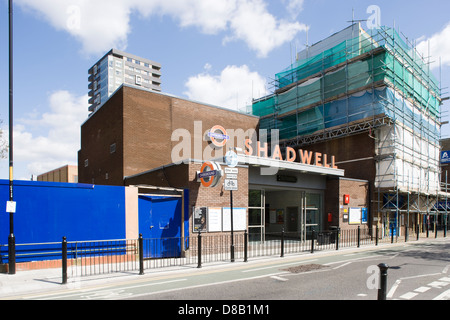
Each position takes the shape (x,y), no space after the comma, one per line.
(222,52)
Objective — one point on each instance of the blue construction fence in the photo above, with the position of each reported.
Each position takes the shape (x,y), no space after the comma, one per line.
(48,211)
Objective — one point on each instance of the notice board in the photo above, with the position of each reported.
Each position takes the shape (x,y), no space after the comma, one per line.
(239,219)
(355,216)
(214,219)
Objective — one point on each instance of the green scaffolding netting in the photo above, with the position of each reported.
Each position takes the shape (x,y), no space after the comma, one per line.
(333,88)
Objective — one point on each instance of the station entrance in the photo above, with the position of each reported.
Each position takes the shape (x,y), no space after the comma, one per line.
(272,210)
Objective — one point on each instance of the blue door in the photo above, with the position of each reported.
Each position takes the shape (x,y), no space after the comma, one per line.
(160,225)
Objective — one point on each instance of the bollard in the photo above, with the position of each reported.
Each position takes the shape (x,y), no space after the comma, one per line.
(312,241)
(376,235)
(338,230)
(245,246)
(359,236)
(199,249)
(392,234)
(11,254)
(141,255)
(418,231)
(64,260)
(383,281)
(282,243)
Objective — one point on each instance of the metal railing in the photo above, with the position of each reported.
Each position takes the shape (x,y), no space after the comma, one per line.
(87,258)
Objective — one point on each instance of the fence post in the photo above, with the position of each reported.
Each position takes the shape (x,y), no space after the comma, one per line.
(245,246)
(435,228)
(338,230)
(312,240)
(199,249)
(359,236)
(383,281)
(392,234)
(141,254)
(282,243)
(376,235)
(64,260)
(418,231)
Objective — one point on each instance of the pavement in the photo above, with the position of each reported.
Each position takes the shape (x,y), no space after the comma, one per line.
(29,282)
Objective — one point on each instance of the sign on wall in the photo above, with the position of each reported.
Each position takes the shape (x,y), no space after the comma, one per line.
(445,157)
(358,216)
(199,218)
(214,220)
(239,219)
(354,216)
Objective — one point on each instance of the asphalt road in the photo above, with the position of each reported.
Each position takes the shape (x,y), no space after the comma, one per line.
(418,271)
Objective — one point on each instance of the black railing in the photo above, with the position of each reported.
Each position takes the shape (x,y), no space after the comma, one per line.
(85,258)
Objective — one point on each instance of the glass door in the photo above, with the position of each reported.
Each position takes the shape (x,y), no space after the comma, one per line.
(312,213)
(256,215)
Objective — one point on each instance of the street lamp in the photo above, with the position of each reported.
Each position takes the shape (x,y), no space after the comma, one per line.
(11,205)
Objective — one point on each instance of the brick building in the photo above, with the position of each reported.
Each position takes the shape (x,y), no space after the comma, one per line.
(144,138)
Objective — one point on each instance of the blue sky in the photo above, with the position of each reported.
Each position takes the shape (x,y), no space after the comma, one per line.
(221,52)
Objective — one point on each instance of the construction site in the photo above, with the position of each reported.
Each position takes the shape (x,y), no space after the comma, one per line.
(369,98)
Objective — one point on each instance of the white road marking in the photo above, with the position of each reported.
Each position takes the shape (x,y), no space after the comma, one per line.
(279,278)
(422,289)
(342,265)
(409,295)
(394,287)
(279,265)
(443,296)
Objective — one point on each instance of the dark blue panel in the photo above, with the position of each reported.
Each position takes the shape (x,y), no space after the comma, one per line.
(160,224)
(48,211)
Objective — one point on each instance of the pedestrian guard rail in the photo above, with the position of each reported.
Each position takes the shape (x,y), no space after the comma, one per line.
(89,258)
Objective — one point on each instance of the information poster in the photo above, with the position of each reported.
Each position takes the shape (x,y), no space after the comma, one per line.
(214,219)
(239,219)
(355,216)
(199,217)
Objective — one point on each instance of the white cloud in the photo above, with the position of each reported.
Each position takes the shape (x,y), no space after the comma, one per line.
(233,89)
(294,7)
(439,45)
(261,31)
(59,143)
(102,24)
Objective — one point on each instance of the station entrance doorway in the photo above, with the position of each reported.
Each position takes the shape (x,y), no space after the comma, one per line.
(272,210)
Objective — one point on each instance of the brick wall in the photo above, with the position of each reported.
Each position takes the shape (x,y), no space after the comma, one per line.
(141,124)
(358,190)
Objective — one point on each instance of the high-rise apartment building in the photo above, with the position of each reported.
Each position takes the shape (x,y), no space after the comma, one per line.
(117,67)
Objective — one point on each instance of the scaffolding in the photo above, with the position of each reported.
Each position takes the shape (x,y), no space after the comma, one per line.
(376,82)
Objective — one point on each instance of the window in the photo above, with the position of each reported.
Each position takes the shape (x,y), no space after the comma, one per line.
(112,148)
(95,69)
(129,60)
(137,62)
(86,163)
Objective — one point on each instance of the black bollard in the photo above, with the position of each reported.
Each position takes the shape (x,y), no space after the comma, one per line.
(64,260)
(141,255)
(199,265)
(383,281)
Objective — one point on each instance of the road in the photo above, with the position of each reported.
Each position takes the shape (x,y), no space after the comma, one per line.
(418,271)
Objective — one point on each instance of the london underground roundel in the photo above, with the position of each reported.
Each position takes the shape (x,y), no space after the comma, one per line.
(210,174)
(218,136)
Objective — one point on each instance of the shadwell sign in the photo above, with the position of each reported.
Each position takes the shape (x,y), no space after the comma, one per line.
(304,156)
